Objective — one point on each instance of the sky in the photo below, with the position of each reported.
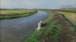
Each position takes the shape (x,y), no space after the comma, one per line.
(29,4)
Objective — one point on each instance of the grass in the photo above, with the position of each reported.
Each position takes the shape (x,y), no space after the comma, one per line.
(44,31)
(7,14)
(70,16)
(35,36)
(15,11)
(70,9)
(56,32)
(52,29)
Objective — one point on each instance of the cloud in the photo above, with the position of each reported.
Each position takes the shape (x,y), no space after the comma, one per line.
(5,3)
(35,3)
(28,4)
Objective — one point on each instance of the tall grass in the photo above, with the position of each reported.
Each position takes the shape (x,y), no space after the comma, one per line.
(7,14)
(71,18)
(15,11)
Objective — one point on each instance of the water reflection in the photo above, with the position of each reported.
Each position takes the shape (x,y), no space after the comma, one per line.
(15,30)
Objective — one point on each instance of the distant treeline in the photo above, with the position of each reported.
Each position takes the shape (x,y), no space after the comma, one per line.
(22,9)
(15,9)
(65,11)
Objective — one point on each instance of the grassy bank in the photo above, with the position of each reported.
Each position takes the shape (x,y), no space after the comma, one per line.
(52,27)
(7,14)
(54,30)
(70,16)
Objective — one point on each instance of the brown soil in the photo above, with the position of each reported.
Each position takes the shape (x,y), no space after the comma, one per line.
(66,34)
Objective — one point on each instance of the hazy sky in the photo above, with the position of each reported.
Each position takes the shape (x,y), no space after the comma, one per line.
(35,3)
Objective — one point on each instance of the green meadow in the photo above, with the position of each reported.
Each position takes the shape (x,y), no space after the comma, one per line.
(7,14)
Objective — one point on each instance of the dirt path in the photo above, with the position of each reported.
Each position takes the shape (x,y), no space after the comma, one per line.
(66,34)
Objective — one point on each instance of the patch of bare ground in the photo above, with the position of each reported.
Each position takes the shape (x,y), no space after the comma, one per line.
(66,33)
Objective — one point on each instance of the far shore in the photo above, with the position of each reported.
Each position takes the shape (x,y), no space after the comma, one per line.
(9,14)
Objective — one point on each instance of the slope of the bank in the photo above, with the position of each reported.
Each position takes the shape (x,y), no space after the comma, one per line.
(8,14)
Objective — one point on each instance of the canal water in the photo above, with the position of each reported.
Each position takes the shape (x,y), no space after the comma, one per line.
(18,29)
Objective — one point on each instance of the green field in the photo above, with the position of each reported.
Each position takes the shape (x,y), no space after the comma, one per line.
(70,16)
(15,11)
(70,9)
(7,14)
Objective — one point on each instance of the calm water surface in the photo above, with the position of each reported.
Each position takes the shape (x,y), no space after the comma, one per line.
(18,29)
